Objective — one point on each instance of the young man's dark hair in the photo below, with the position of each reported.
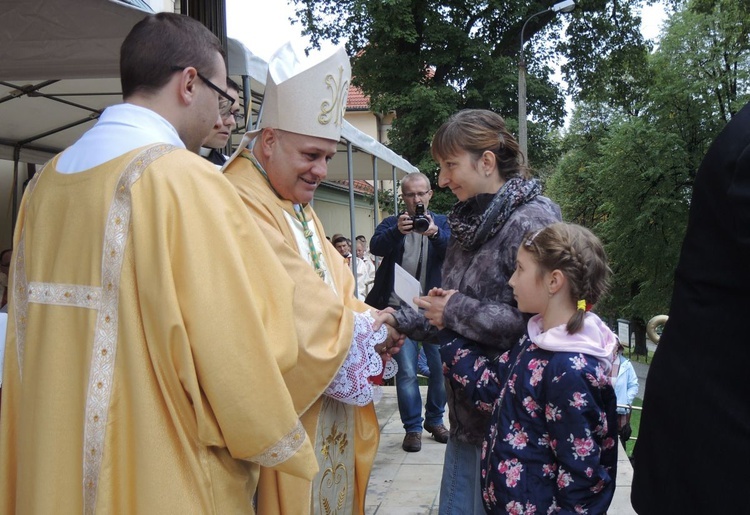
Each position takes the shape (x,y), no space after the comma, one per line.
(174,42)
(233,85)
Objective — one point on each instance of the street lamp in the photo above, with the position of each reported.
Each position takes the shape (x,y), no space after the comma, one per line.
(565,6)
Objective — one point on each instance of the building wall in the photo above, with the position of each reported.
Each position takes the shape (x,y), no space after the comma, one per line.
(332,207)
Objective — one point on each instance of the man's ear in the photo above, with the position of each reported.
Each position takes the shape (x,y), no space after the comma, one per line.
(268,138)
(187,82)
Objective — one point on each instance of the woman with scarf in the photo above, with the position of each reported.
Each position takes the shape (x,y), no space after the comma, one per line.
(498,203)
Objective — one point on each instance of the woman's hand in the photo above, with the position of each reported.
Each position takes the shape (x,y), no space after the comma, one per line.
(434,305)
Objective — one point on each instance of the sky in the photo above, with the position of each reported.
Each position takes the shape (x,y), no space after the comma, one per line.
(263,25)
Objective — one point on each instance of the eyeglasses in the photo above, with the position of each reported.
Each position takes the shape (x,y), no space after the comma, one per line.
(239,117)
(415,194)
(225,103)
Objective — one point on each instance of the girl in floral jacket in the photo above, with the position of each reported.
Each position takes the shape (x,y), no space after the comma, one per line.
(551,447)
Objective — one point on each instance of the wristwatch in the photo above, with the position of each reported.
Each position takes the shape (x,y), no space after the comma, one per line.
(434,236)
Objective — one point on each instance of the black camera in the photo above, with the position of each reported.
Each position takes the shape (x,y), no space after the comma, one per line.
(420,221)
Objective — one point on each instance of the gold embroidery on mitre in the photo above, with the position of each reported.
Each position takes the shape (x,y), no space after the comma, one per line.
(333,109)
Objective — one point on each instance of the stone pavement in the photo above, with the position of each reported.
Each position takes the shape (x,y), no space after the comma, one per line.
(408,483)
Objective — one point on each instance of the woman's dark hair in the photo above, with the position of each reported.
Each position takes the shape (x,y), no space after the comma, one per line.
(160,44)
(579,255)
(476,131)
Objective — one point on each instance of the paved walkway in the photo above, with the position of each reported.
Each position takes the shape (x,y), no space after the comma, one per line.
(408,483)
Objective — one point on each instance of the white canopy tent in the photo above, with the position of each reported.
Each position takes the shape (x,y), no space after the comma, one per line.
(59,69)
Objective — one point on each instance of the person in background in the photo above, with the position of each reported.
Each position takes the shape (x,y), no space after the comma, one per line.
(367,254)
(221,133)
(343,246)
(137,379)
(552,443)
(339,337)
(369,265)
(421,253)
(697,389)
(498,203)
(626,388)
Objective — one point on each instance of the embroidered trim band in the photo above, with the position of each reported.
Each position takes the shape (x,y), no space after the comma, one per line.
(283,450)
(104,348)
(65,294)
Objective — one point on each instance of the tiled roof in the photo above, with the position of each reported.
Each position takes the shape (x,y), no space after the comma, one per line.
(357,101)
(360,186)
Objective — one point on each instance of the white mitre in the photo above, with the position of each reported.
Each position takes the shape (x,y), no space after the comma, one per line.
(304,95)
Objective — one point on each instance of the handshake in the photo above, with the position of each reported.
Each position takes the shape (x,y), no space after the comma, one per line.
(433,305)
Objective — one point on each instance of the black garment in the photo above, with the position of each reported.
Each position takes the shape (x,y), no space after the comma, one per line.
(697,389)
(216,157)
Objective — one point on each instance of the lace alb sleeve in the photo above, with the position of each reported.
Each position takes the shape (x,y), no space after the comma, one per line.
(352,382)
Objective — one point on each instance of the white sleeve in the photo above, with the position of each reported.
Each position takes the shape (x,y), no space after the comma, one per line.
(352,382)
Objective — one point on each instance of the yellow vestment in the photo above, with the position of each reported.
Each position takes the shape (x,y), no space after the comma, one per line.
(344,436)
(139,375)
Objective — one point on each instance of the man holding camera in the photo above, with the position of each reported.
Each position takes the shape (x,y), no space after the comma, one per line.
(416,240)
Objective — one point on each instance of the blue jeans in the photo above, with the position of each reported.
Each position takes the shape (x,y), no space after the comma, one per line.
(461,486)
(407,387)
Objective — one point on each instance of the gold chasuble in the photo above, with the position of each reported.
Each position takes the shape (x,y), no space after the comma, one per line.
(139,376)
(345,437)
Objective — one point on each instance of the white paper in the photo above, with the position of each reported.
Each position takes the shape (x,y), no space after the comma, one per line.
(406,286)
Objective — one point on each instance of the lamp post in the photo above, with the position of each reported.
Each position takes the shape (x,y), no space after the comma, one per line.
(565,6)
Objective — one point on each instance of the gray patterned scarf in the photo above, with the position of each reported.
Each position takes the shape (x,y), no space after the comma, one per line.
(472,225)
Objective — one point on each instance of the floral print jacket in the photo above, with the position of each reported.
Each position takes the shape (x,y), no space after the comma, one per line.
(552,444)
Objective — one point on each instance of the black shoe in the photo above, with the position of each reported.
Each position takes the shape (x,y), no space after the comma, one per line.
(412,442)
(439,432)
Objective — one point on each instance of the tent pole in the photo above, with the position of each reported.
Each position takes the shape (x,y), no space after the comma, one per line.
(376,218)
(395,193)
(247,92)
(14,207)
(352,228)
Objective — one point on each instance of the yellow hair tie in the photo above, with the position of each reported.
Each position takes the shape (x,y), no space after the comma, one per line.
(581,305)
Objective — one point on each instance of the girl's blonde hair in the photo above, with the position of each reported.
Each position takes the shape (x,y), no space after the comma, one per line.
(579,255)
(476,131)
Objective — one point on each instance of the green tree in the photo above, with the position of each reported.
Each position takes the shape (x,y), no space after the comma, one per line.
(628,167)
(425,59)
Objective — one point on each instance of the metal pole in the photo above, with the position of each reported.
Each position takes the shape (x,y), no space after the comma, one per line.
(376,218)
(352,207)
(522,128)
(14,196)
(395,192)
(247,93)
(565,6)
